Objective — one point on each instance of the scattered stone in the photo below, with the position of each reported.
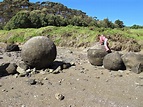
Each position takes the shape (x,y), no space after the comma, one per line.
(101,72)
(8,54)
(97,77)
(58,70)
(45,78)
(59,96)
(15,76)
(65,66)
(46,70)
(69,51)
(31,81)
(42,72)
(137,68)
(23,106)
(32,73)
(23,66)
(128,72)
(121,71)
(140,77)
(1,57)
(34,69)
(107,80)
(138,84)
(29,70)
(4,90)
(60,81)
(11,69)
(12,47)
(120,75)
(51,70)
(72,63)
(23,74)
(0,84)
(49,83)
(117,75)
(77,79)
(70,106)
(3,67)
(82,71)
(20,70)
(39,82)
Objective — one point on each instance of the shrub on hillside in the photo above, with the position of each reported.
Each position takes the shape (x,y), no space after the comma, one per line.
(20,20)
(34,19)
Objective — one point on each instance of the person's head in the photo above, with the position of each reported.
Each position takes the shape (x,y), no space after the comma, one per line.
(98,37)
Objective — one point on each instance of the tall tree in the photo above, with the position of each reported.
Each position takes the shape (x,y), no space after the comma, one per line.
(106,23)
(119,23)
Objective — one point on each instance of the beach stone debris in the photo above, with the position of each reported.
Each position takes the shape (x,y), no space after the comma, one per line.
(20,70)
(23,65)
(11,69)
(96,56)
(39,52)
(12,47)
(137,68)
(131,59)
(113,61)
(31,82)
(59,96)
(1,84)
(3,67)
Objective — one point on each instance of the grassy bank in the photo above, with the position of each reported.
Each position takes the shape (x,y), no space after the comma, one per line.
(73,34)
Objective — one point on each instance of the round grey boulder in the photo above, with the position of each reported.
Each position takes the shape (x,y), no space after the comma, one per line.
(96,56)
(131,59)
(39,52)
(113,61)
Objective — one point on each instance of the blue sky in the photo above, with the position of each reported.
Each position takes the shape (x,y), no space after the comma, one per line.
(128,11)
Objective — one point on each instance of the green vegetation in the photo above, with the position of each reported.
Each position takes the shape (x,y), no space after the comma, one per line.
(24,14)
(20,20)
(67,34)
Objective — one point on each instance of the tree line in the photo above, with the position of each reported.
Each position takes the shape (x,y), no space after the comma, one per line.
(24,14)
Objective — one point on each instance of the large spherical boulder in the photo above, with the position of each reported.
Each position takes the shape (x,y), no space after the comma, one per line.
(39,52)
(113,61)
(96,56)
(131,59)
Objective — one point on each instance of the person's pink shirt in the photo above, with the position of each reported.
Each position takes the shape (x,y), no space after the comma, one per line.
(102,40)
